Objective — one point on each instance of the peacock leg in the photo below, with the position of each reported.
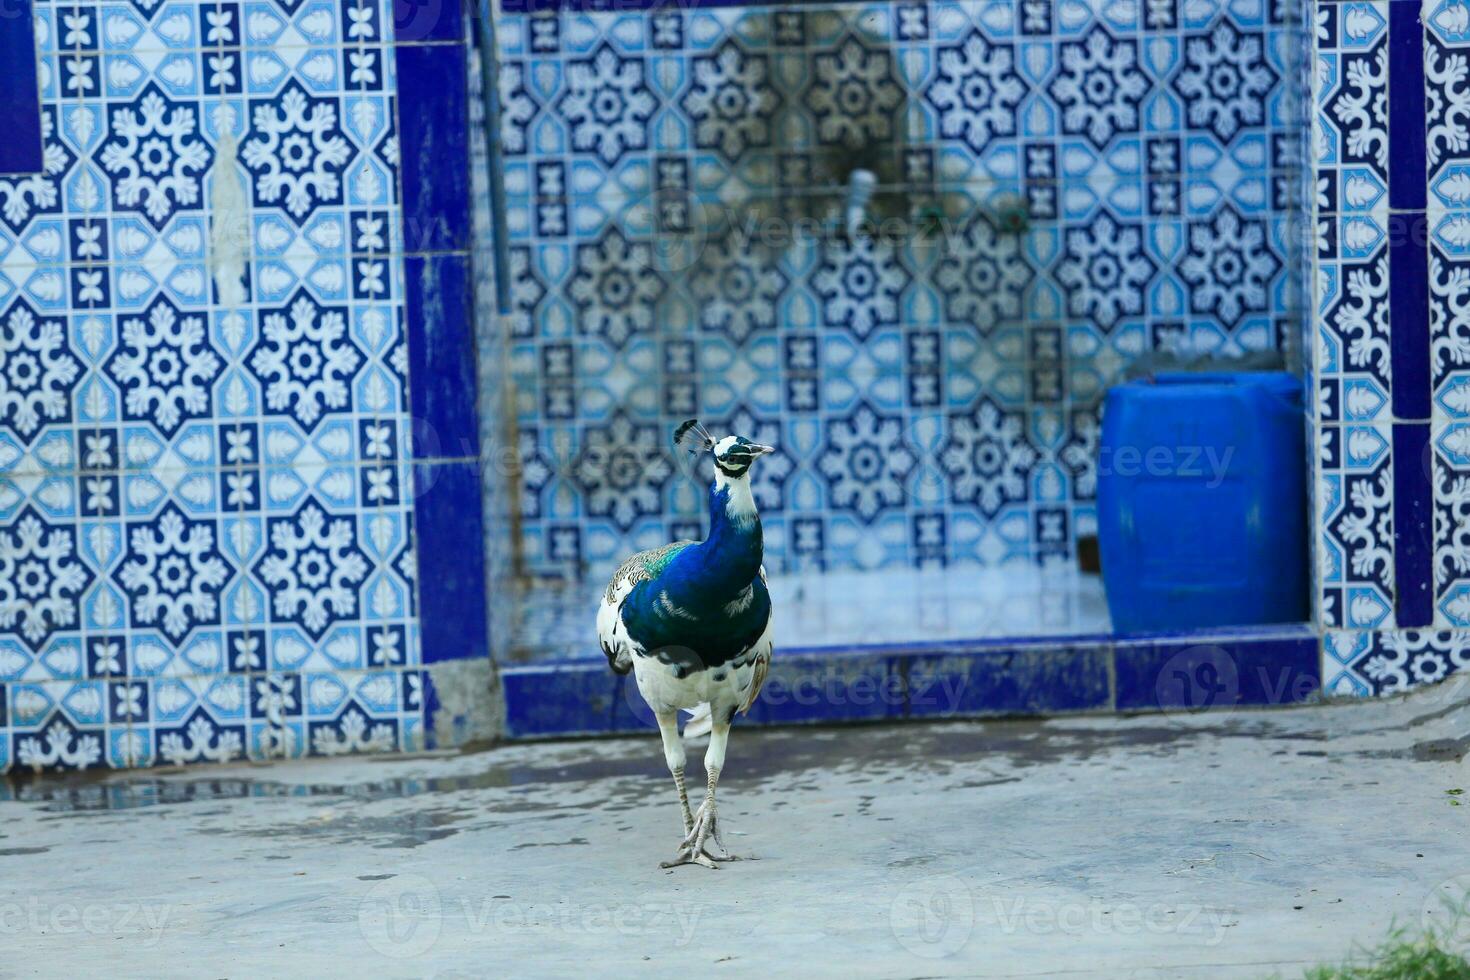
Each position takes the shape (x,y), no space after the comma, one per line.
(696,846)
(668,728)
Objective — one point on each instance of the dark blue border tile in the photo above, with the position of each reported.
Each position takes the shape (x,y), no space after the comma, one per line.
(20,109)
(835,687)
(1413,526)
(1214,673)
(448,532)
(589,700)
(433,127)
(1407,176)
(1023,680)
(1219,669)
(441,357)
(1408,312)
(416,21)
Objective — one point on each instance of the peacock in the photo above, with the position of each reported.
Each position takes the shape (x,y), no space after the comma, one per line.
(692,621)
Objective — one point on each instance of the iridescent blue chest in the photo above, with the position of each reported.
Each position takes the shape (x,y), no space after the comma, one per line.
(708,604)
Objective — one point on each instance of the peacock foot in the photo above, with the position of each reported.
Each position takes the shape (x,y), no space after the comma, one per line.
(699,846)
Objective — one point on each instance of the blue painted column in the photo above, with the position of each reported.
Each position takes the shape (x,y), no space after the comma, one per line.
(431,59)
(1408,231)
(20,94)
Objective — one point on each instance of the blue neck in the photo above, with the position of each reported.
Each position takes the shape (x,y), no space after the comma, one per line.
(727,560)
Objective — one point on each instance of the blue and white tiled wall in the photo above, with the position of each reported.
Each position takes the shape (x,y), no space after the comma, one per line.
(223,488)
(1392,157)
(933,390)
(214,510)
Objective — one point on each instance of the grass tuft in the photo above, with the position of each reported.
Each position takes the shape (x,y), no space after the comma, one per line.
(1399,957)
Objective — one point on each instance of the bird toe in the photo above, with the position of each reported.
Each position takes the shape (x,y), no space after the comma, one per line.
(690,856)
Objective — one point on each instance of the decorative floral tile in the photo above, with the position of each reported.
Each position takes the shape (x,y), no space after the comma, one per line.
(1354,503)
(1451,481)
(1350,336)
(59,725)
(1390,661)
(1351,331)
(334,713)
(1449,319)
(1447,95)
(1350,89)
(238,415)
(1152,161)
(203,373)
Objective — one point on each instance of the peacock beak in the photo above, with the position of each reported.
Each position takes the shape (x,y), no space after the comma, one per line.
(756,449)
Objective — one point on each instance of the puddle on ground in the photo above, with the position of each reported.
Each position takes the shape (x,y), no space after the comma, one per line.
(756,756)
(410,829)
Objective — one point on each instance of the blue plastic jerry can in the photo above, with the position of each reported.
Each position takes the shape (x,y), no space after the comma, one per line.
(1202,501)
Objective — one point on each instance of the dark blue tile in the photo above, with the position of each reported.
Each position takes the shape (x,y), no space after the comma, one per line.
(448,536)
(429,20)
(20,108)
(1027,679)
(1252,666)
(1218,672)
(571,699)
(1407,178)
(809,688)
(433,122)
(1408,312)
(441,358)
(1413,525)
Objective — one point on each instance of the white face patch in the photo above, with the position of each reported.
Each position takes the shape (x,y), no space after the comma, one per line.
(723,446)
(740,506)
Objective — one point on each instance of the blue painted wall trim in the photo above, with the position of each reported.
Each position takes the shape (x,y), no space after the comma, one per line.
(1413,526)
(428,20)
(1218,670)
(434,121)
(1408,232)
(20,93)
(433,115)
(441,357)
(1408,312)
(1212,674)
(1407,186)
(451,572)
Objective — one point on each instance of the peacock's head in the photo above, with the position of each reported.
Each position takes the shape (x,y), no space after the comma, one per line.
(733,454)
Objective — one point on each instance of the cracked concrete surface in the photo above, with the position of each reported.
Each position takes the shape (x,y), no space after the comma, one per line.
(1242,844)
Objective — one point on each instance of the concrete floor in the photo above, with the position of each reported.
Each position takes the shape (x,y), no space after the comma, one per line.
(1244,844)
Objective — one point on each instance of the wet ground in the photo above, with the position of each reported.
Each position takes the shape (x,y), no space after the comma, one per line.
(1242,844)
